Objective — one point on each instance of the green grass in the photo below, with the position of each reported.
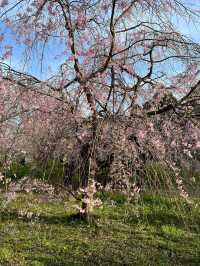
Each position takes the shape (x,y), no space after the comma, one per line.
(154,230)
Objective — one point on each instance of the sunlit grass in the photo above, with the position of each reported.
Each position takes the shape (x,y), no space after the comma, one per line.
(153,230)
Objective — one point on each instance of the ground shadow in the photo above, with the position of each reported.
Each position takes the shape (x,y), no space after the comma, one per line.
(67,220)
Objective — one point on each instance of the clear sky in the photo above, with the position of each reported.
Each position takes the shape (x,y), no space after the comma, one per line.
(30,61)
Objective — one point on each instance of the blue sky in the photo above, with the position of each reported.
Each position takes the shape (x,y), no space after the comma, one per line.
(20,57)
(33,65)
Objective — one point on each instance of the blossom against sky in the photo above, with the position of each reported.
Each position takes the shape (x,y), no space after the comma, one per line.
(43,59)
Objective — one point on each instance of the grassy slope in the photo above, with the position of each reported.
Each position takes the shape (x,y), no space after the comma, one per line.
(152,231)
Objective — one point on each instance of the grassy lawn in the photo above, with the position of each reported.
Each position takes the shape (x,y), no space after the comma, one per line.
(154,230)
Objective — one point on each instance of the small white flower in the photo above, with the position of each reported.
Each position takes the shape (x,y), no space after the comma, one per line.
(1,177)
